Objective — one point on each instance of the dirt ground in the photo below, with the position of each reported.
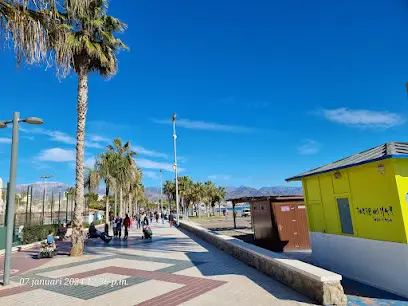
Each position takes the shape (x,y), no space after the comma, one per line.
(226,227)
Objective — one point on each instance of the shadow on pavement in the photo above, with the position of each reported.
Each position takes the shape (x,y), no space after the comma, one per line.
(220,263)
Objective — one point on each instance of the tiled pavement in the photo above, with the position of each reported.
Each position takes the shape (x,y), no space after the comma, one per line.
(171,269)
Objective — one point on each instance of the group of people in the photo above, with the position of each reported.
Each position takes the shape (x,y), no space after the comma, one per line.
(118,223)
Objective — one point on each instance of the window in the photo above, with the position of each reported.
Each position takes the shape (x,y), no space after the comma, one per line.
(345,216)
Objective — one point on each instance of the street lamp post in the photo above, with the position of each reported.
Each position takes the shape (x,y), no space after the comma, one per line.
(45,177)
(12,190)
(175,167)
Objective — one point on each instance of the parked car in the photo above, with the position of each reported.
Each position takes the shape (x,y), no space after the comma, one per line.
(246,212)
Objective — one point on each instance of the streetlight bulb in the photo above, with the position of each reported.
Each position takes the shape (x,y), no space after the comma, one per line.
(33,120)
(2,125)
(174,117)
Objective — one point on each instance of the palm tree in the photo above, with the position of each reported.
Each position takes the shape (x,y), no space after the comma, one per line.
(135,190)
(185,186)
(123,168)
(104,166)
(199,191)
(221,193)
(93,45)
(169,189)
(209,193)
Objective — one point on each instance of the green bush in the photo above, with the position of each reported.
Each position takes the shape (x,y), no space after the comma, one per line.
(36,233)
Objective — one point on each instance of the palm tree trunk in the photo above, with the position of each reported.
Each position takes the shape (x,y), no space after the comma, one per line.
(120,202)
(82,107)
(136,208)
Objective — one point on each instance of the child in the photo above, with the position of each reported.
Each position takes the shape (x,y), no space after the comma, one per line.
(50,239)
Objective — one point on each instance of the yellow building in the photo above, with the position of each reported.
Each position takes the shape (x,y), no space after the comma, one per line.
(357,211)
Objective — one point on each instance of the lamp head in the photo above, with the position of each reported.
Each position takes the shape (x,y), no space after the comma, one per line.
(33,120)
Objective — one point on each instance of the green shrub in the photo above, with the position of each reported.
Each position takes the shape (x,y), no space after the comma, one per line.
(36,233)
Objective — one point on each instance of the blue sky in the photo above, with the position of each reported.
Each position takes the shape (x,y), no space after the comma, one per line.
(263,90)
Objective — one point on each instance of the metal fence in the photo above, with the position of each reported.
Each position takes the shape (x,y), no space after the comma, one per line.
(36,206)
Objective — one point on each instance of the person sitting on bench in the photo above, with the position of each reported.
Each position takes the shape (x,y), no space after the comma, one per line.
(94,233)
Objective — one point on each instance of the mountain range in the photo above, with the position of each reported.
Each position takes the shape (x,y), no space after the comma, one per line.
(153,193)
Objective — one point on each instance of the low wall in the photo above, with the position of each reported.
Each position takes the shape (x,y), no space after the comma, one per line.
(318,284)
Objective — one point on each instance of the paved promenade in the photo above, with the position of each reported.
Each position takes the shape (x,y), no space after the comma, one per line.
(172,269)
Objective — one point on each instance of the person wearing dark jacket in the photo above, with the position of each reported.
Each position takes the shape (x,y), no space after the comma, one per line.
(126,224)
(94,233)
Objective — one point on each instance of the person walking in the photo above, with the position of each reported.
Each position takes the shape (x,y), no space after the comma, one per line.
(137,217)
(162,216)
(157,217)
(126,224)
(119,222)
(171,219)
(151,217)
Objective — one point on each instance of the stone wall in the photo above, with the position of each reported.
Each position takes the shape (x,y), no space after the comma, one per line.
(318,284)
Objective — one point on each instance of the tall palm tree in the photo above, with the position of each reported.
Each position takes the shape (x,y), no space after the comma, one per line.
(209,193)
(185,186)
(199,192)
(105,168)
(93,45)
(169,189)
(134,190)
(92,178)
(221,193)
(124,166)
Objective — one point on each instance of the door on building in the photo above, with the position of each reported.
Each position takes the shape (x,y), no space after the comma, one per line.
(291,224)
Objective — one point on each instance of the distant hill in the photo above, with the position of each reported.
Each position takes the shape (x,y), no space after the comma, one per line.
(153,193)
(38,188)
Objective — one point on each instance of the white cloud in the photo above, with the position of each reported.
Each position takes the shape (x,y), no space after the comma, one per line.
(219,177)
(143,151)
(149,164)
(58,136)
(363,118)
(151,174)
(309,147)
(208,126)
(32,138)
(97,138)
(57,155)
(5,140)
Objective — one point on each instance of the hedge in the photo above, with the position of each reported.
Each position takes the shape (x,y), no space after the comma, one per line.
(36,233)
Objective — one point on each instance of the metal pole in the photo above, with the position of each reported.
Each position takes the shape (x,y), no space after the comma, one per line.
(10,202)
(59,206)
(175,168)
(66,211)
(42,218)
(31,201)
(161,189)
(26,216)
(52,204)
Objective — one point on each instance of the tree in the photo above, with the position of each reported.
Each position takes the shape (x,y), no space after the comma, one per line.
(169,189)
(105,167)
(210,191)
(92,178)
(221,193)
(185,185)
(124,167)
(198,196)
